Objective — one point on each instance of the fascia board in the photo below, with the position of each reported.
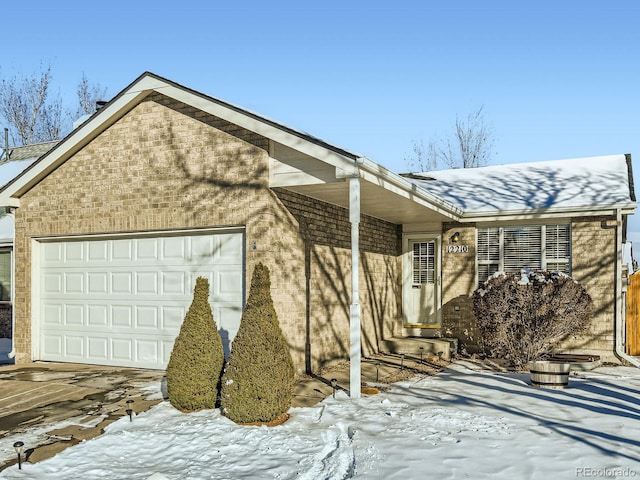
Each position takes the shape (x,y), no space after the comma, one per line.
(386,179)
(626,209)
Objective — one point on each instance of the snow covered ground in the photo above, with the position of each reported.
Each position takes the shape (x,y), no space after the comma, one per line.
(462,423)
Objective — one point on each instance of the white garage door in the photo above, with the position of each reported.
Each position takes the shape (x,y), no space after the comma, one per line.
(122,301)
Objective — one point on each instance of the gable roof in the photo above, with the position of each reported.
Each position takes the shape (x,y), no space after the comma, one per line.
(588,185)
(413,200)
(560,186)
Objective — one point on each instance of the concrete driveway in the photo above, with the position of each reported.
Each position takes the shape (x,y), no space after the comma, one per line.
(51,406)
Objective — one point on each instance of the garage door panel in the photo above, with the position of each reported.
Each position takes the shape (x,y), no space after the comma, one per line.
(52,283)
(172,317)
(73,315)
(74,347)
(122,350)
(97,316)
(121,250)
(52,346)
(146,283)
(227,281)
(174,248)
(74,252)
(73,282)
(52,253)
(98,250)
(230,248)
(173,283)
(146,351)
(121,316)
(146,317)
(98,347)
(52,314)
(97,283)
(122,283)
(122,301)
(146,249)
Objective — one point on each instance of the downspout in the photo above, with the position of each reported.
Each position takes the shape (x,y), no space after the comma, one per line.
(355,343)
(620,323)
(12,353)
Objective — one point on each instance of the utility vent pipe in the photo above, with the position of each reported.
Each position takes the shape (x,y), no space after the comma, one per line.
(6,144)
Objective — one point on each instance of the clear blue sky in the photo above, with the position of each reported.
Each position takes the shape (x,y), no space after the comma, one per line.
(558,79)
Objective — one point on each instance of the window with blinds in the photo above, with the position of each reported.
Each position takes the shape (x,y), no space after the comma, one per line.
(424,262)
(536,247)
(5,275)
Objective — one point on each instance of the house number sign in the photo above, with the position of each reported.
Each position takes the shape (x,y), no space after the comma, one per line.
(457,249)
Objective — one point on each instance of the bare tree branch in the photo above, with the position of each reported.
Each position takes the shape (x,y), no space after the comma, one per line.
(88,95)
(471,145)
(24,104)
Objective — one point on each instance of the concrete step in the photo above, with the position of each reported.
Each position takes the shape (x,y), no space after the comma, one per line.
(416,346)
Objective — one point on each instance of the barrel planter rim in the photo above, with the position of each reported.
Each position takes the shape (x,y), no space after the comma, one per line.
(549,374)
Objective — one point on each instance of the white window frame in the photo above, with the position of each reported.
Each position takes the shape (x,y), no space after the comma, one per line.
(500,262)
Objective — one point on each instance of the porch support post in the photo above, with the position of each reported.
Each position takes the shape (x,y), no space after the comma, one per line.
(354,310)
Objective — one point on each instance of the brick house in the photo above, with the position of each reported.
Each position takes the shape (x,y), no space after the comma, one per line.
(164,184)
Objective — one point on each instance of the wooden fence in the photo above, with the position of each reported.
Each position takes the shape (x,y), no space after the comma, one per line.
(633,315)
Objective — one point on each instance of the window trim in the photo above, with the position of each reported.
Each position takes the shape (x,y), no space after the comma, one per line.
(9,251)
(544,259)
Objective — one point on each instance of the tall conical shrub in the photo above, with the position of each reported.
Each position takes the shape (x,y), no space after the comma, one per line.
(197,358)
(258,381)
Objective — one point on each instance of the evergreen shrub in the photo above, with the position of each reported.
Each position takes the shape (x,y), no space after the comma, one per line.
(258,380)
(523,316)
(197,358)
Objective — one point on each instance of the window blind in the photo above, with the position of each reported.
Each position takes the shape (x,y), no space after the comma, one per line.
(535,247)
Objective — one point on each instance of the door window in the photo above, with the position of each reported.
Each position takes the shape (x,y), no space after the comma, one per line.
(424,262)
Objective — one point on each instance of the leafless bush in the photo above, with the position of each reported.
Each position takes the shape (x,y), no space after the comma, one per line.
(522,316)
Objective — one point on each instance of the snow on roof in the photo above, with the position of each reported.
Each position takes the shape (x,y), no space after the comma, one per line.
(21,158)
(580,183)
(10,170)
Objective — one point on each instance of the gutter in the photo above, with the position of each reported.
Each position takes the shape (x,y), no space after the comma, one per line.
(444,207)
(620,320)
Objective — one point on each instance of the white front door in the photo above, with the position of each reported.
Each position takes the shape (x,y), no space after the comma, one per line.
(420,290)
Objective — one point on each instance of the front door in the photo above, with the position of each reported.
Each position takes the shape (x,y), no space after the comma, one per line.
(421,282)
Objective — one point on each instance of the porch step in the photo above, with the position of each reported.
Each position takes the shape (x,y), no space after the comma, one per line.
(414,346)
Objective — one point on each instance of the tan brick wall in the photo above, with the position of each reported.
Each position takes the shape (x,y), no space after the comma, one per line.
(593,265)
(327,233)
(167,166)
(458,284)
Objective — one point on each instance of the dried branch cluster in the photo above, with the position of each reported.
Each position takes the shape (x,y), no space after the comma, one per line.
(522,316)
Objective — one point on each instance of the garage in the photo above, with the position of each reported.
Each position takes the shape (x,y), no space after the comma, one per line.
(121,300)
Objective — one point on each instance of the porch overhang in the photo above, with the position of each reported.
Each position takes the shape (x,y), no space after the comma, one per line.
(383,194)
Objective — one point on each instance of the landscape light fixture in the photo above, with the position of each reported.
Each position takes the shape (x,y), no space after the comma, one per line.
(421,352)
(334,384)
(455,238)
(129,410)
(19,447)
(402,362)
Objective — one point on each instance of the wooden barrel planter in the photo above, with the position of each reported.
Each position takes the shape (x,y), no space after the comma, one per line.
(548,374)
